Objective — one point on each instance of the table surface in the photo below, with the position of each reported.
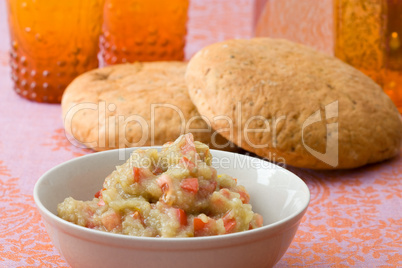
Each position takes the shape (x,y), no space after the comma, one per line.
(354,218)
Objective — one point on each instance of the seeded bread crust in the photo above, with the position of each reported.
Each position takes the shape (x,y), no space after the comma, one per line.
(280,88)
(111,107)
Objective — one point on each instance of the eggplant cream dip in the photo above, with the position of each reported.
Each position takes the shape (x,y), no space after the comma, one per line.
(172,193)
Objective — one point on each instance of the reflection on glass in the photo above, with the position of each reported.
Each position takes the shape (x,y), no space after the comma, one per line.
(367,36)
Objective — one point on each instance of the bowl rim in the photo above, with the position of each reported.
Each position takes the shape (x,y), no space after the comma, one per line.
(261,232)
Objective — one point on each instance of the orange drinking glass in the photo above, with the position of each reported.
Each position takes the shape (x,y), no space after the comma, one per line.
(143,30)
(51,43)
(368,35)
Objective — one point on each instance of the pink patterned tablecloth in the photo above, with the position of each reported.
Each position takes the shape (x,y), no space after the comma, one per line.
(354,219)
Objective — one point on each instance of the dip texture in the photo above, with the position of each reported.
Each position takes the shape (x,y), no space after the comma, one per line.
(172,193)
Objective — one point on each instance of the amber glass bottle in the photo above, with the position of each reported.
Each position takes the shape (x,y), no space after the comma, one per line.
(368,36)
(143,30)
(51,43)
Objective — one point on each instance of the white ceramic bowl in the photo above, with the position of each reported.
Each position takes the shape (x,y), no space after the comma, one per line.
(277,194)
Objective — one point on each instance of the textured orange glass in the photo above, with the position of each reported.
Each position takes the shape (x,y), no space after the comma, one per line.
(368,36)
(143,30)
(51,43)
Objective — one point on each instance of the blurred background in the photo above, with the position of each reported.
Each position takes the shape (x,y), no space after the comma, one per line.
(306,21)
(365,34)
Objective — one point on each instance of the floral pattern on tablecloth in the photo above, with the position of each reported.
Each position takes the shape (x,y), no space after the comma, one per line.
(351,218)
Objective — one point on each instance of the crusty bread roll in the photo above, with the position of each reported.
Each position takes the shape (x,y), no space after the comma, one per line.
(289,103)
(138,104)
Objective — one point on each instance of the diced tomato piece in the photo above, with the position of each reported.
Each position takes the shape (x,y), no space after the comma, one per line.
(225,192)
(202,228)
(229,223)
(208,189)
(185,149)
(187,163)
(90,225)
(90,213)
(141,173)
(182,217)
(218,202)
(157,170)
(190,185)
(258,220)
(137,174)
(199,226)
(101,202)
(98,194)
(164,182)
(189,145)
(244,197)
(111,220)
